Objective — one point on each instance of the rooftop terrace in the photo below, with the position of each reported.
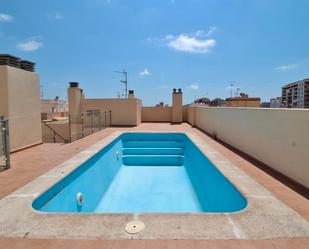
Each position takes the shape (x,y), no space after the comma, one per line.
(33,162)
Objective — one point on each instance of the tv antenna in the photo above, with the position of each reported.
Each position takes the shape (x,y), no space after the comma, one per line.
(232,88)
(237,92)
(125,81)
(42,93)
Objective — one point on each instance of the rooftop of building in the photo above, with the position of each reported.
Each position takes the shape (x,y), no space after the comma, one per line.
(48,156)
(294,84)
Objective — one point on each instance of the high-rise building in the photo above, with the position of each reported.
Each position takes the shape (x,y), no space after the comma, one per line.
(296,94)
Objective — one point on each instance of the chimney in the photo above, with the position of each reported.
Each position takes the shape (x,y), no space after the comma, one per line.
(131,94)
(74,84)
(75,96)
(177,106)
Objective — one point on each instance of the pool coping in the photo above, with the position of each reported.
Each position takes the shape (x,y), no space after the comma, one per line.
(264,217)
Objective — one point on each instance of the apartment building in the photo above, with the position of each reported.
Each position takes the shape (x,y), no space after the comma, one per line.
(54,105)
(275,102)
(296,94)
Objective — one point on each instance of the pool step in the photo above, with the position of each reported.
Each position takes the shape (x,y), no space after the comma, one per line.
(152,151)
(153,160)
(153,144)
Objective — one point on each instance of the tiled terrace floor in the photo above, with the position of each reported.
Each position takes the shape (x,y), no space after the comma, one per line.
(33,162)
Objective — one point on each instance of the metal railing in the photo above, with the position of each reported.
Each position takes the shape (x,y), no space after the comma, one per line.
(53,135)
(84,124)
(4,144)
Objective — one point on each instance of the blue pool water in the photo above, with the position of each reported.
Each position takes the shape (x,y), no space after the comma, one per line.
(144,172)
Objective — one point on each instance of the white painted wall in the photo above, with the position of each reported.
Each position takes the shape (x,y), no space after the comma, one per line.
(20,103)
(276,137)
(124,111)
(157,114)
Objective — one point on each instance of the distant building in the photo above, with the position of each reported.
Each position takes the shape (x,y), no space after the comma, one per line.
(265,104)
(243,101)
(208,102)
(161,104)
(203,101)
(217,102)
(296,94)
(53,105)
(275,102)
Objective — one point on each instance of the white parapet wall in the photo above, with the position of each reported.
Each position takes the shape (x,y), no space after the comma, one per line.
(277,137)
(126,112)
(20,103)
(157,114)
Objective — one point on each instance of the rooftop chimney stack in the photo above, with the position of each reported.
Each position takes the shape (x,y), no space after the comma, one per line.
(75,95)
(131,94)
(13,61)
(177,106)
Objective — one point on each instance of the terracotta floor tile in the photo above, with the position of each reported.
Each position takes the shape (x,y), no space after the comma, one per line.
(129,244)
(225,244)
(295,243)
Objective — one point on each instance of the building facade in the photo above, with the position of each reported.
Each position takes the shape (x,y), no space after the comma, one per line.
(243,101)
(54,105)
(20,101)
(275,102)
(296,94)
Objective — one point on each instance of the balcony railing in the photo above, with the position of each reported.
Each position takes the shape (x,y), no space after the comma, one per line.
(84,124)
(4,144)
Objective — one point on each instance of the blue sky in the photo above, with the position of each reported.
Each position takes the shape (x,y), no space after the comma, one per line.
(200,46)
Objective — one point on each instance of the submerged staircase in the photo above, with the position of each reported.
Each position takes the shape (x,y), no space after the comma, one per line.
(153,153)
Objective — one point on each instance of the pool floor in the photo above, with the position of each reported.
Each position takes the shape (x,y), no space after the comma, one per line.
(152,188)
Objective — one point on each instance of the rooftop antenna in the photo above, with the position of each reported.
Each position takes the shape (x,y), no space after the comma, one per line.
(232,85)
(42,95)
(237,91)
(125,81)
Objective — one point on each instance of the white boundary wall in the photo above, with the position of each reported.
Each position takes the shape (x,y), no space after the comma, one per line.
(277,137)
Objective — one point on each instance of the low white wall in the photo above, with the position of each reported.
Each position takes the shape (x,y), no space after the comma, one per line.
(156,114)
(191,115)
(185,113)
(276,137)
(124,111)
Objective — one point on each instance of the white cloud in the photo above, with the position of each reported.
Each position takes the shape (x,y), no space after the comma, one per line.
(191,43)
(5,17)
(145,72)
(30,45)
(286,67)
(202,33)
(211,30)
(193,87)
(58,16)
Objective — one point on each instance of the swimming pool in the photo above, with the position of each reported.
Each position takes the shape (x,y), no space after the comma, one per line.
(144,172)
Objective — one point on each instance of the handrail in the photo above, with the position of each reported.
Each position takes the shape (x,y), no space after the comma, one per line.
(86,122)
(55,132)
(4,136)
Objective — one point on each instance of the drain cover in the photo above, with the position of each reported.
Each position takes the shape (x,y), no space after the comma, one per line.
(134,227)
